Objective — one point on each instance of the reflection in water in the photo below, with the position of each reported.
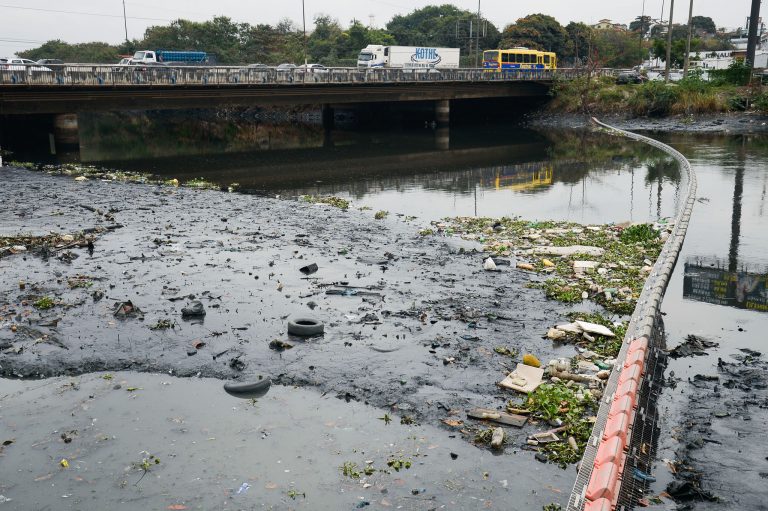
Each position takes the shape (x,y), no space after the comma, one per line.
(712,283)
(492,170)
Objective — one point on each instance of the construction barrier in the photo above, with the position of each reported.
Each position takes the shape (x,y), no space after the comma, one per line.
(616,463)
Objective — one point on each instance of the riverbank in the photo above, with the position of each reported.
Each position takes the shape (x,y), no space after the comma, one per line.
(733,123)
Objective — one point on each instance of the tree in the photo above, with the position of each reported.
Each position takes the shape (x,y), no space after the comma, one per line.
(444,25)
(640,24)
(82,52)
(703,25)
(536,31)
(617,48)
(580,37)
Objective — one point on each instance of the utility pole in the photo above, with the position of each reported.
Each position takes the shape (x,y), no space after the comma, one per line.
(125,22)
(668,65)
(642,34)
(754,21)
(688,42)
(477,43)
(304,22)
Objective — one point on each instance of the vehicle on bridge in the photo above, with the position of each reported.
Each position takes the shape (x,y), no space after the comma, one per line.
(171,57)
(518,59)
(407,57)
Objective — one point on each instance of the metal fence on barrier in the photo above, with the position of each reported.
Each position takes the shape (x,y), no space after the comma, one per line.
(138,75)
(615,467)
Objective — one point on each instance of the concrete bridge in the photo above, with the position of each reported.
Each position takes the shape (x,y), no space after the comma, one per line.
(80,88)
(61,92)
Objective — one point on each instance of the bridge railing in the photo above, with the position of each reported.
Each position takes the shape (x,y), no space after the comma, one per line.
(138,75)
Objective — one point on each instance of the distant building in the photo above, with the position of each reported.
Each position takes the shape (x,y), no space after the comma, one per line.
(607,24)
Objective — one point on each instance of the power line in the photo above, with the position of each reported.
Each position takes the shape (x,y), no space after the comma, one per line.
(80,13)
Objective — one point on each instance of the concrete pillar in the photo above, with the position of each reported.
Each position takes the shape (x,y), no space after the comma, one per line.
(443,138)
(443,112)
(328,125)
(65,130)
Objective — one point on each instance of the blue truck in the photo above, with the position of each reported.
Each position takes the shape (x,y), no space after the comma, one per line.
(188,58)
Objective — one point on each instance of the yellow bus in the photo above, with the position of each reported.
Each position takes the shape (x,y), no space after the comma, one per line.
(521,59)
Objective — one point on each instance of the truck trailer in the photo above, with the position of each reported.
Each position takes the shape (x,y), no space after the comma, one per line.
(407,57)
(171,57)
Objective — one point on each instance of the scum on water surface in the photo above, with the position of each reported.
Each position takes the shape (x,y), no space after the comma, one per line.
(613,282)
(612,276)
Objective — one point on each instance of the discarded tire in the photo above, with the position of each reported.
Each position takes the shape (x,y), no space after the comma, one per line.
(248,390)
(305,327)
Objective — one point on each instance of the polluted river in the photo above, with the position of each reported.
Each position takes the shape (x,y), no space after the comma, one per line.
(135,283)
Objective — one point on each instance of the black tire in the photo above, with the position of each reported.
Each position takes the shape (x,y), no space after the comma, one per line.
(305,327)
(246,390)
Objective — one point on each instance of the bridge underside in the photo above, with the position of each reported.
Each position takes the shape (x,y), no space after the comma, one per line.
(54,99)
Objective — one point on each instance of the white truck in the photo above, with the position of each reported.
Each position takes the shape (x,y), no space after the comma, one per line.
(407,57)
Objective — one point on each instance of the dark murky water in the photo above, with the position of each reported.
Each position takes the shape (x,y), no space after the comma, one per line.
(719,289)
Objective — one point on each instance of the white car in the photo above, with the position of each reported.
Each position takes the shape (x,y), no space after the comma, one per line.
(312,68)
(16,64)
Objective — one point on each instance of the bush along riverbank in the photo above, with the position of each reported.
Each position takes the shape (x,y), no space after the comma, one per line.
(690,96)
(571,263)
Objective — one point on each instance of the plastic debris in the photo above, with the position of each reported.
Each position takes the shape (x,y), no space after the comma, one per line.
(489,265)
(531,360)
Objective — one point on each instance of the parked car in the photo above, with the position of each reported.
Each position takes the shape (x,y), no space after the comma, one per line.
(48,62)
(312,68)
(626,77)
(284,68)
(17,64)
(124,63)
(263,67)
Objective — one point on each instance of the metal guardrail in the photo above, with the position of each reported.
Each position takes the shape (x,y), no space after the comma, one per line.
(645,323)
(138,75)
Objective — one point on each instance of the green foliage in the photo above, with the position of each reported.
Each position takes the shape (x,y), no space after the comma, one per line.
(654,99)
(441,25)
(350,469)
(572,406)
(82,52)
(536,31)
(381,215)
(738,73)
(44,303)
(640,233)
(336,202)
(398,463)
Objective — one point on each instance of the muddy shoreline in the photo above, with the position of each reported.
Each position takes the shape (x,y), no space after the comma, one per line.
(411,321)
(717,123)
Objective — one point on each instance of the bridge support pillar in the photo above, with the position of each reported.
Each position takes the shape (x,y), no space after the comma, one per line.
(443,112)
(66,132)
(443,138)
(328,125)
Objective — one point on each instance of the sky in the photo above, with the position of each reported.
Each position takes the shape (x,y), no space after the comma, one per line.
(28,23)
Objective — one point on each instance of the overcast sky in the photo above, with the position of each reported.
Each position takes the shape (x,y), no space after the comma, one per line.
(28,23)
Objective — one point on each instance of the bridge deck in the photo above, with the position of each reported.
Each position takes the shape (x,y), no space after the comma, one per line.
(74,88)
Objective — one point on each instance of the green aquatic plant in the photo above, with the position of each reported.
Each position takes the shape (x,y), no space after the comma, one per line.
(381,215)
(44,303)
(336,202)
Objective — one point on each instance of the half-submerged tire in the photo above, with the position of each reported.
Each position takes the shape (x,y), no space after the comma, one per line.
(248,390)
(305,327)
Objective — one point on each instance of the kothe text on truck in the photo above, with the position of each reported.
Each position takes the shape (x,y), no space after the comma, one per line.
(407,57)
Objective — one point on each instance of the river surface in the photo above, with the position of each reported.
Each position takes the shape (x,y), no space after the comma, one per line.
(719,290)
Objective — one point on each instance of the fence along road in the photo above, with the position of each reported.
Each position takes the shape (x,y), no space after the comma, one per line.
(138,75)
(619,453)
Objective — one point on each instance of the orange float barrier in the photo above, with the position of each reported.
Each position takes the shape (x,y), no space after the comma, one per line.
(623,404)
(618,425)
(610,451)
(598,505)
(635,358)
(633,372)
(602,484)
(628,388)
(638,344)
